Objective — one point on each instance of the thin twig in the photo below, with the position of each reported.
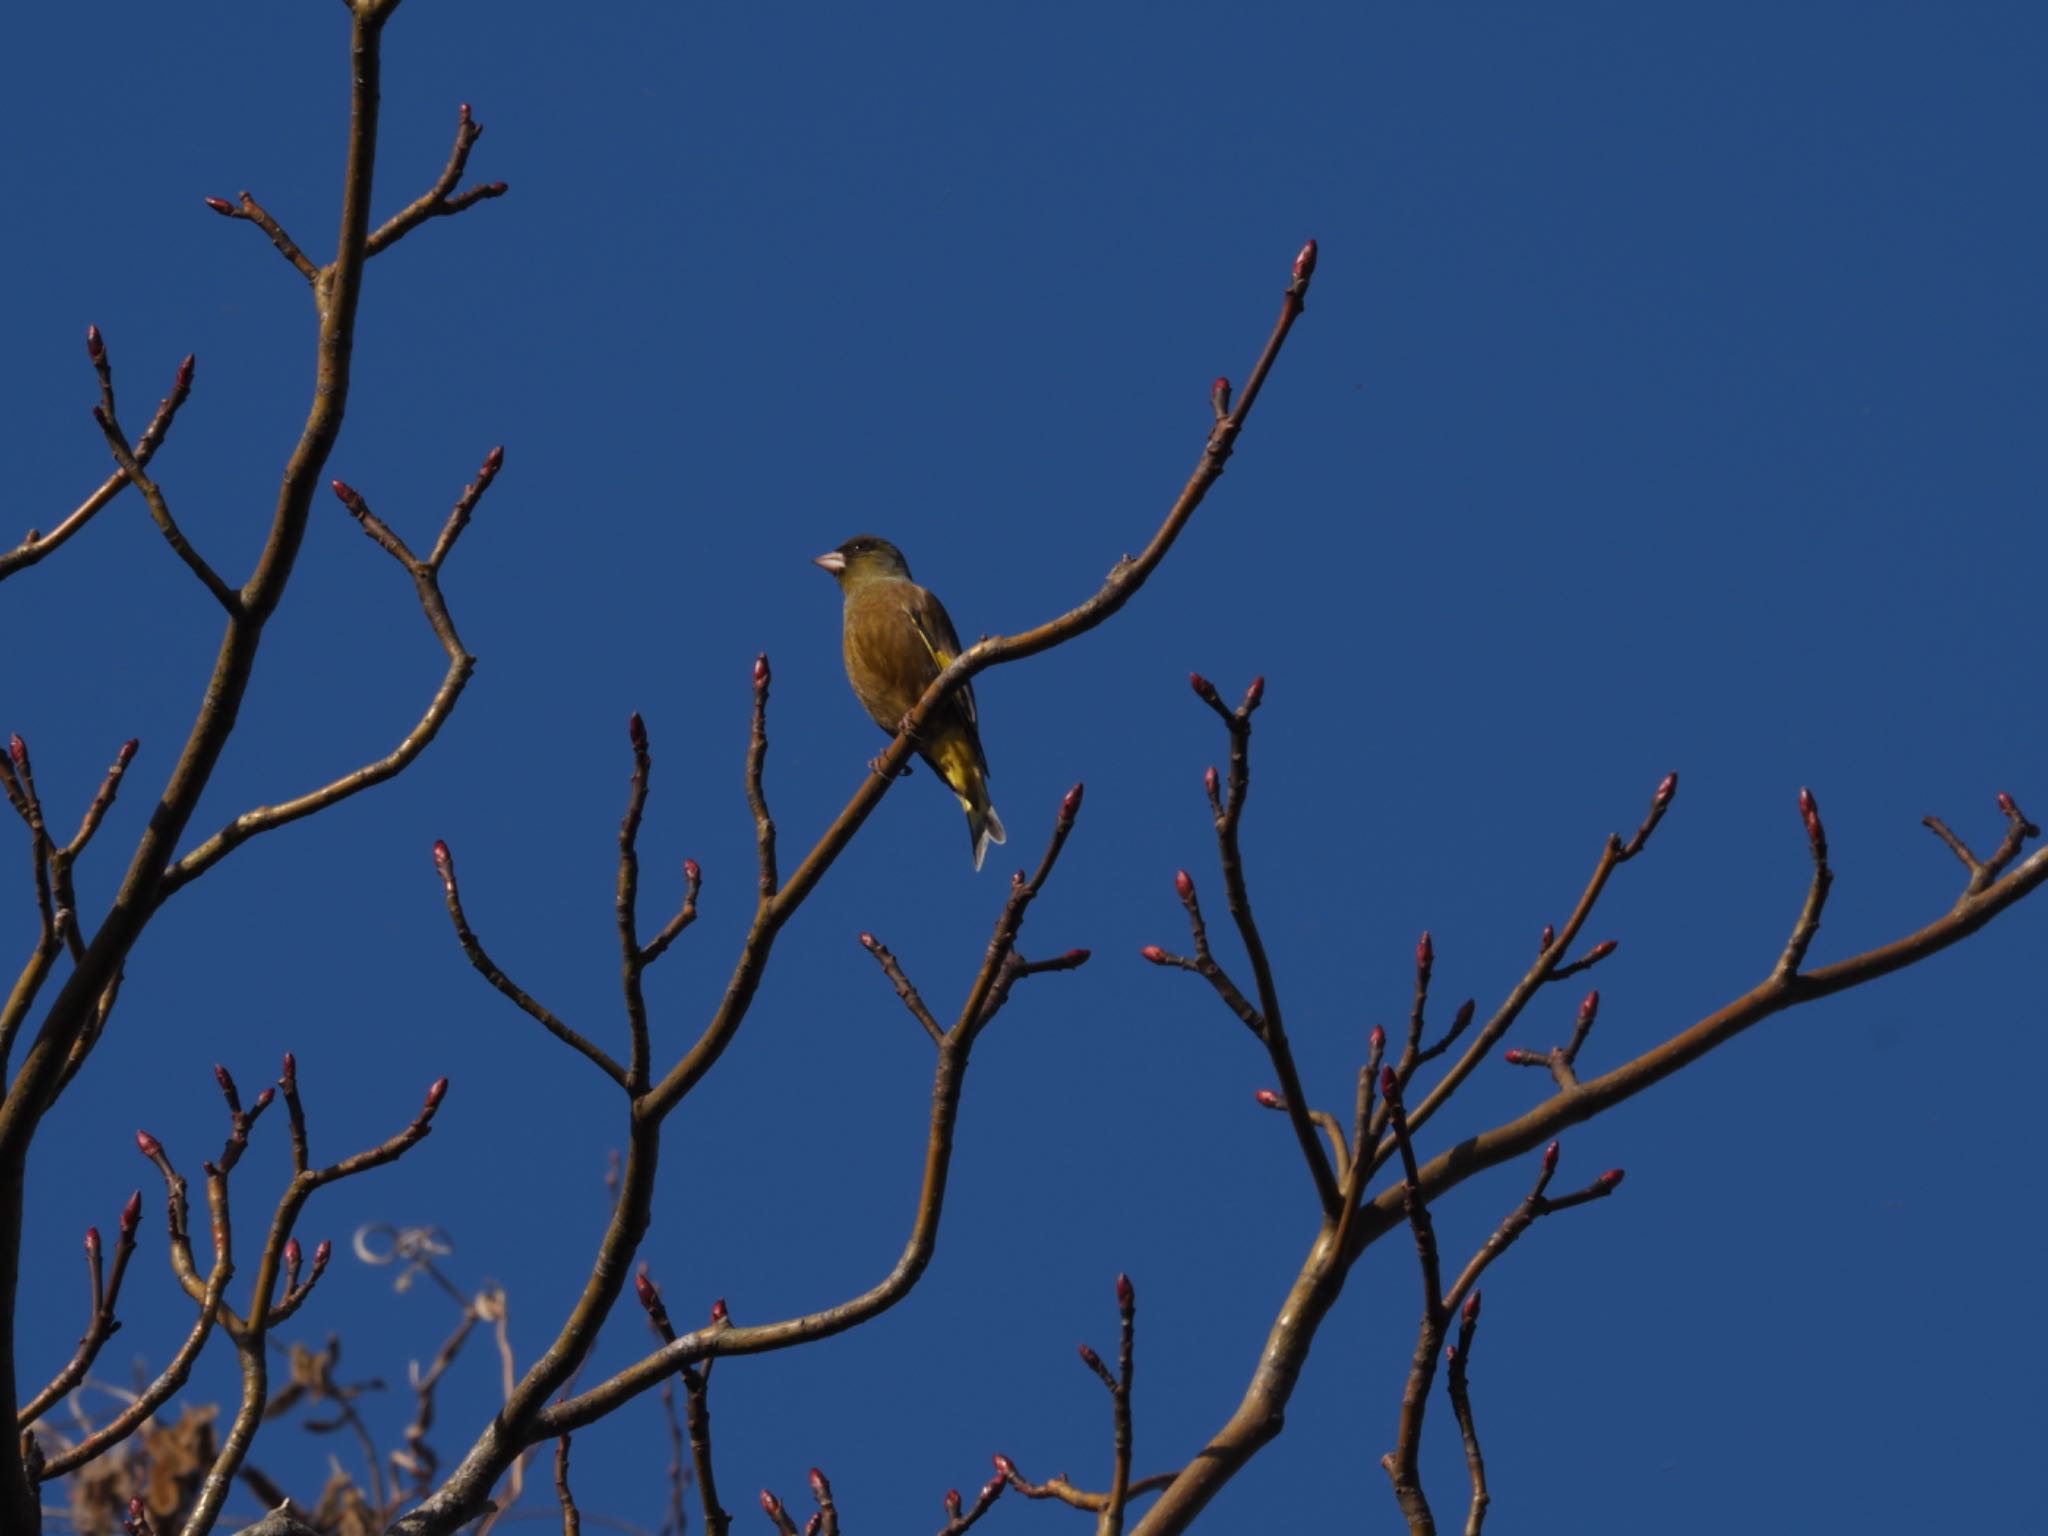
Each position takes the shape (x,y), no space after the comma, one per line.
(37,545)
(487,968)
(436,201)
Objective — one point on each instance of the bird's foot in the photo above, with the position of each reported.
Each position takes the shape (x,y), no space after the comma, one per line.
(880,769)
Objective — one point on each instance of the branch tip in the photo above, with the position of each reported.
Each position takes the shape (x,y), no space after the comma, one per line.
(1471,1314)
(1156,955)
(636,732)
(718,1312)
(92,1241)
(1184,885)
(1269,1099)
(148,1145)
(1611,1178)
(1253,695)
(1550,1159)
(131,1213)
(1425,954)
(1305,263)
(1126,1293)
(1666,788)
(761,673)
(1377,1040)
(95,345)
(436,1092)
(1070,805)
(221,206)
(1816,835)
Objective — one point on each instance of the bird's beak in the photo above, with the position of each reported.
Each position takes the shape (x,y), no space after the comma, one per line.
(835,562)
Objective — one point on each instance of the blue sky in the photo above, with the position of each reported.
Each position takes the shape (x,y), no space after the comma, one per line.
(1669,397)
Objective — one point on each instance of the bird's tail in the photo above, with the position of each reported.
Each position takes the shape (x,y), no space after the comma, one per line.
(956,763)
(983,824)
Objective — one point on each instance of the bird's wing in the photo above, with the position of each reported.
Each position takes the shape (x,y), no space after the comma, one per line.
(934,628)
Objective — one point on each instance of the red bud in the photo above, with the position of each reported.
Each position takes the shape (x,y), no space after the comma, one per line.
(1253,694)
(1472,1309)
(1611,1178)
(1666,789)
(345,491)
(498,188)
(442,857)
(131,1213)
(1202,686)
(1004,1466)
(636,732)
(128,750)
(1425,953)
(1305,263)
(1184,885)
(1390,1088)
(1270,1099)
(718,1312)
(291,1253)
(952,1502)
(493,462)
(770,1505)
(437,1091)
(691,872)
(183,383)
(1590,1006)
(1126,1294)
(821,1490)
(17,749)
(1070,805)
(2006,804)
(464,109)
(1089,1358)
(1550,1158)
(1154,953)
(95,348)
(996,1485)
(322,1254)
(644,1289)
(1219,396)
(147,1144)
(868,941)
(761,672)
(220,1075)
(1076,956)
(263,1100)
(1378,1038)
(1209,780)
(92,1239)
(221,206)
(1602,950)
(1549,938)
(290,1078)
(1514,1056)
(1809,811)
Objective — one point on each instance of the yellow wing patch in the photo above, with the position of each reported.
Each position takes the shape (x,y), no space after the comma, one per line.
(941,657)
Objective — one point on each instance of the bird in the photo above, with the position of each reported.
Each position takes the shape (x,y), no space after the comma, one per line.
(897,638)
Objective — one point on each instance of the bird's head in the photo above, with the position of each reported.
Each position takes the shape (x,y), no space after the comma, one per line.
(864,558)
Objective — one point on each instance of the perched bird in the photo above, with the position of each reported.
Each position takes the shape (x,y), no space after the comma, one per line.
(897,638)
